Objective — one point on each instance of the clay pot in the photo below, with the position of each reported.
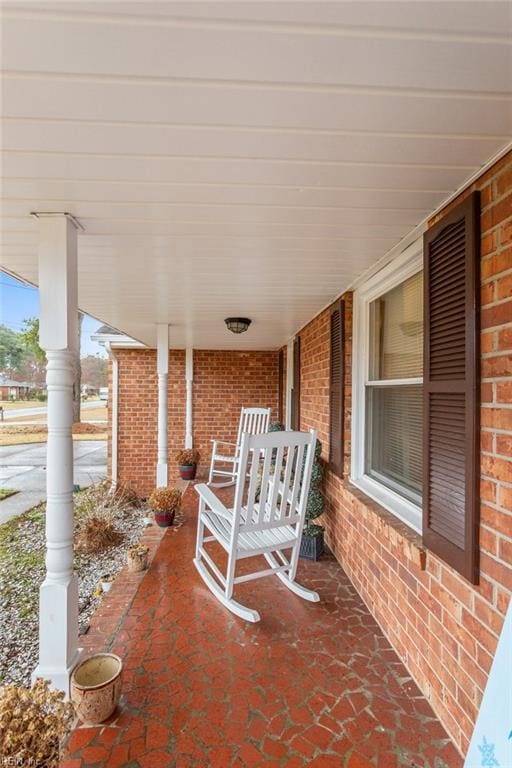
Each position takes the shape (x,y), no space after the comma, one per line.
(137,559)
(96,687)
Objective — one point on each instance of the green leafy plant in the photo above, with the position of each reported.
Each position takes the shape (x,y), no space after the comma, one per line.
(316,501)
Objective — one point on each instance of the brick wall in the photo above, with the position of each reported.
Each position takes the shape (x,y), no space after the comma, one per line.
(223,382)
(137,424)
(443,628)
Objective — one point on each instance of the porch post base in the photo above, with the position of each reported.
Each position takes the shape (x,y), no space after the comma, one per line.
(58,651)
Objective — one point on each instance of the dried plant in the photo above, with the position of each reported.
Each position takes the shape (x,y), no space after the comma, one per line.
(138,550)
(187,457)
(165,500)
(33,722)
(96,534)
(96,509)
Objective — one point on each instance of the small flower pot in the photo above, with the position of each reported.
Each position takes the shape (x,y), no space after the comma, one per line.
(312,547)
(106,582)
(188,471)
(164,519)
(96,687)
(137,558)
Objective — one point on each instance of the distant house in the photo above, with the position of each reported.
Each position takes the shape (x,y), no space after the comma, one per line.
(14,390)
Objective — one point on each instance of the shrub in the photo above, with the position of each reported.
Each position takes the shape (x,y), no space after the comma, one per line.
(96,509)
(33,721)
(315,504)
(187,457)
(165,500)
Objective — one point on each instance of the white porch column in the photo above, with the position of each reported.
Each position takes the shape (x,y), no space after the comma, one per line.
(58,606)
(162,365)
(189,377)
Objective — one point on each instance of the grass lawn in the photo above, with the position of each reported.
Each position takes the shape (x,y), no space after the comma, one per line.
(13,434)
(13,405)
(6,492)
(89,414)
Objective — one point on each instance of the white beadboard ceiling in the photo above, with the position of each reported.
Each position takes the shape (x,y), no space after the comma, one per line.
(244,158)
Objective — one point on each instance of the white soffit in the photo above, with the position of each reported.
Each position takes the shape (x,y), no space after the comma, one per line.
(245,158)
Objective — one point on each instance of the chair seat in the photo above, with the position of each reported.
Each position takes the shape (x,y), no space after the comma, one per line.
(249,541)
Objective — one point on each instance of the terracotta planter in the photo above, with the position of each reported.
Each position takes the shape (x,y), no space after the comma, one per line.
(137,559)
(96,687)
(164,519)
(188,471)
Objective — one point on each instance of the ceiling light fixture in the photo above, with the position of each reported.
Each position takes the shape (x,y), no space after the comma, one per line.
(237,324)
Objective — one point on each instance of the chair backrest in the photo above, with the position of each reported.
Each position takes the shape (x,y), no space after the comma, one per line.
(273,482)
(254,421)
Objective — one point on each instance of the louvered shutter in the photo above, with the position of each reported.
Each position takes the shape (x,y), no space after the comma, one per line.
(451,382)
(280,386)
(295,415)
(336,389)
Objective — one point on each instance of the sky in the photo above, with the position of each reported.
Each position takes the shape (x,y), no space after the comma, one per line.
(19,301)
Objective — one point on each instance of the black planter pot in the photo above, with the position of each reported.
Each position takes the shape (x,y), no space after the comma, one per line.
(312,547)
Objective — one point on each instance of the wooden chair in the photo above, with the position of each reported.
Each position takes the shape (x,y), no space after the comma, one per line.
(224,463)
(267,516)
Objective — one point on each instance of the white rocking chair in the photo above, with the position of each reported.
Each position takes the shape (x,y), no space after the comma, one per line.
(224,463)
(267,516)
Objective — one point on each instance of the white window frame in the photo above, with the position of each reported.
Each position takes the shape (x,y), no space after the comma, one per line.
(409,263)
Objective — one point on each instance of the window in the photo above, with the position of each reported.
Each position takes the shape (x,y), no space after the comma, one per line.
(387,460)
(393,390)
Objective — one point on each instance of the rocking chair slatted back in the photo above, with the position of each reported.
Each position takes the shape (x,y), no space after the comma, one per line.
(278,468)
(255,421)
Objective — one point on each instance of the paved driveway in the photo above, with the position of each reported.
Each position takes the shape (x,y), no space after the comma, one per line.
(23,468)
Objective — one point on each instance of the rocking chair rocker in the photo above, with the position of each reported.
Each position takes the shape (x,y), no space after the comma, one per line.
(224,463)
(267,516)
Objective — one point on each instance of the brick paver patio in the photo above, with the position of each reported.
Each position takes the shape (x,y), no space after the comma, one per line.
(310,685)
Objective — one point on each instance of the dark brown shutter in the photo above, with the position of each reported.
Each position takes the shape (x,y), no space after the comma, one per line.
(295,414)
(336,388)
(280,387)
(451,382)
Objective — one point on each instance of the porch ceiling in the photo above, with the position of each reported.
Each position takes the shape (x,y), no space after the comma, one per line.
(241,158)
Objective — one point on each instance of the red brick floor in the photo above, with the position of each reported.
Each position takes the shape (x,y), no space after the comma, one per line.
(309,685)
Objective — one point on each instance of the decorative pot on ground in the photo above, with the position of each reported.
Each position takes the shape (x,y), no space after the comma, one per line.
(96,687)
(312,543)
(137,558)
(165,502)
(187,460)
(106,581)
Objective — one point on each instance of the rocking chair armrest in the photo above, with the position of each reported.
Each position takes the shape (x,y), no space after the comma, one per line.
(223,442)
(211,500)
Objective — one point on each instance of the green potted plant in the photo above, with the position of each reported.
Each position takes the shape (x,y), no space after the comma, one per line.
(312,544)
(187,459)
(165,502)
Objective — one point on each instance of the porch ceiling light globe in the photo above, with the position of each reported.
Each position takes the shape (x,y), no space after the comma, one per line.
(237,324)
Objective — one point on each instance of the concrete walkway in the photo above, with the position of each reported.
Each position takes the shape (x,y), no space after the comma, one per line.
(23,468)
